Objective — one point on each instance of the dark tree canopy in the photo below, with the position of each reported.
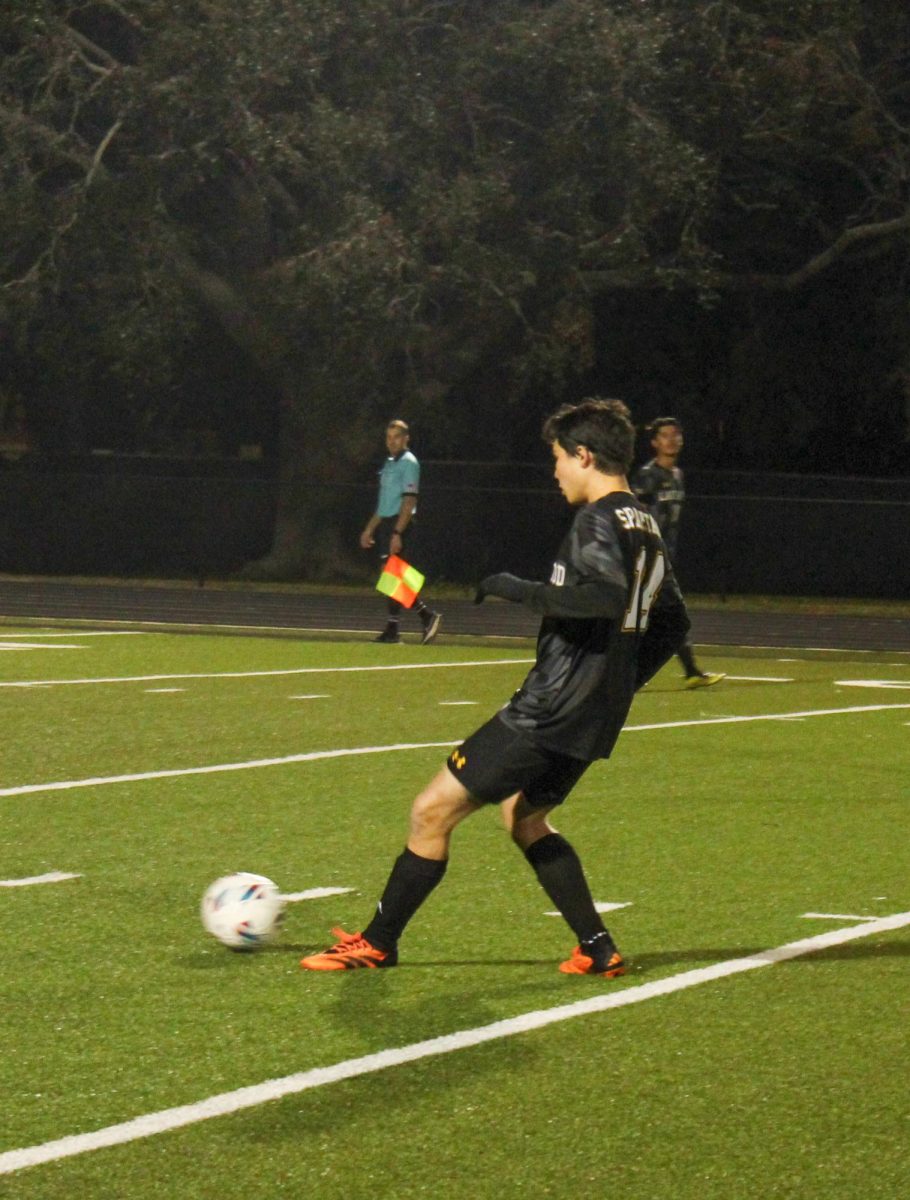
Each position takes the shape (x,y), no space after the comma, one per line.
(291,218)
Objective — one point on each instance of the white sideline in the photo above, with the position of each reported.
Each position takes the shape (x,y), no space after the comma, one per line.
(315,755)
(763,678)
(6,645)
(82,633)
(139,776)
(317,893)
(273,1089)
(31,880)
(426,666)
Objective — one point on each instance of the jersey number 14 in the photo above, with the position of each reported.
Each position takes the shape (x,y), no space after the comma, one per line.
(644,592)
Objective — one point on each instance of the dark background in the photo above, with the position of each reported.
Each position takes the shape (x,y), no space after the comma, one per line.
(743,532)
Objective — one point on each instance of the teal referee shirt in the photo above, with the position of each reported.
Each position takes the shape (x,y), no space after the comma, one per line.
(400,476)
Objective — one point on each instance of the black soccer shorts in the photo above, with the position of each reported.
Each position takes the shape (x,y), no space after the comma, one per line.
(382,535)
(495,762)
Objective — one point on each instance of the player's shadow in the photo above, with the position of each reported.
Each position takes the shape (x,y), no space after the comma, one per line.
(637,964)
(645,962)
(641,964)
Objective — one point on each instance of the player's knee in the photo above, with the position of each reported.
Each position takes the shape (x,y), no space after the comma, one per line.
(433,813)
(526,826)
(524,823)
(526,833)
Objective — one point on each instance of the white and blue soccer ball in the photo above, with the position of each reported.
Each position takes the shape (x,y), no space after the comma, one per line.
(243,910)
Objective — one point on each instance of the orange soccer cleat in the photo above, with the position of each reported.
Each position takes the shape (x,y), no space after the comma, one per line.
(610,965)
(351,951)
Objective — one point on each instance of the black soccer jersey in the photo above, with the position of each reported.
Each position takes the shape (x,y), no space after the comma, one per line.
(612,616)
(663,490)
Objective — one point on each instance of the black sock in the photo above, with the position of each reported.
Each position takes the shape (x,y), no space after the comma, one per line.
(687,658)
(559,870)
(411,881)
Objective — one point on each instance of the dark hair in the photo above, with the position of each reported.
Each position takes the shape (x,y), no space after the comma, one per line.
(604,426)
(658,423)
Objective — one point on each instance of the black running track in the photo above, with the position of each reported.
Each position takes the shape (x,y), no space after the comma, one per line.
(345,612)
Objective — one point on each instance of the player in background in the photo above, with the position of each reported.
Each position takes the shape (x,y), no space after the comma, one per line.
(612,616)
(660,485)
(393,523)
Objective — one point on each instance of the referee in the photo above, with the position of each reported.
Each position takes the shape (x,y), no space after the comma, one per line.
(392,525)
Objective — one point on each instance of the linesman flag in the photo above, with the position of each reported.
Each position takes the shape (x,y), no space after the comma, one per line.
(400,581)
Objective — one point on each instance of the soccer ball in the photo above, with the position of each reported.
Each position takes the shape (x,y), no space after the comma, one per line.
(243,910)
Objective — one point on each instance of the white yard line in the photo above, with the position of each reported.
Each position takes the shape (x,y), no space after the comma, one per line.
(251,765)
(31,880)
(762,678)
(81,633)
(7,645)
(151,1124)
(902,684)
(316,755)
(426,666)
(812,916)
(602,906)
(792,716)
(314,894)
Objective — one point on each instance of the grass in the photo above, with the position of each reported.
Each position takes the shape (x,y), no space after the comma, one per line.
(789,1081)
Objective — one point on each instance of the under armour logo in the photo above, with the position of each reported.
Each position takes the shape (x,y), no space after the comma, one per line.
(458,759)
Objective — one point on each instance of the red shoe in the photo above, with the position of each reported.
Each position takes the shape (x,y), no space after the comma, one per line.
(609,966)
(351,951)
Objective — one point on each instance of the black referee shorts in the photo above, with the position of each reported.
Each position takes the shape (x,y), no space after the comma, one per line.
(383,534)
(495,762)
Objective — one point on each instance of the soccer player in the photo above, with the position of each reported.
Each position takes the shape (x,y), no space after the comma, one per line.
(612,616)
(394,520)
(660,485)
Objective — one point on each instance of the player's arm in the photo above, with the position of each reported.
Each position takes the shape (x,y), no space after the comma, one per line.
(642,485)
(600,590)
(668,624)
(367,537)
(406,512)
(591,599)
(600,594)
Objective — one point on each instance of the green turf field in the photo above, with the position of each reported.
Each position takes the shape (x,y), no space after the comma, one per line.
(717,831)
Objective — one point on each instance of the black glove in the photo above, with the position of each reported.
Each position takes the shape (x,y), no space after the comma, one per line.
(508,587)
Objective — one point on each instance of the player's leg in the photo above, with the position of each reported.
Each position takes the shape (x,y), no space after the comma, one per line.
(686,656)
(382,535)
(561,875)
(392,631)
(695,676)
(555,863)
(435,813)
(429,618)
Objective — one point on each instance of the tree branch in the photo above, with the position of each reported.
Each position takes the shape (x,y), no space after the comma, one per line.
(99,153)
(858,235)
(649,278)
(16,120)
(96,51)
